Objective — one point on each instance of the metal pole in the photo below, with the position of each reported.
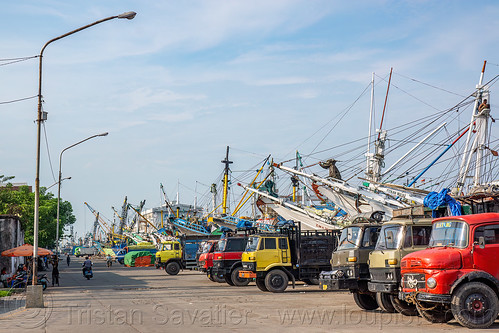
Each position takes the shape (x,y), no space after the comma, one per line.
(59,186)
(127,15)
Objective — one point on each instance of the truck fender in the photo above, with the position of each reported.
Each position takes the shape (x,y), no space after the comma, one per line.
(477,275)
(239,263)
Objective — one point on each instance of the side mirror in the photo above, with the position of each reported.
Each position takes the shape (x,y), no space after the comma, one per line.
(481,242)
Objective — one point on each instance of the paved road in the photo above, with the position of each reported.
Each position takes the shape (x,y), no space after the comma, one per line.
(123,299)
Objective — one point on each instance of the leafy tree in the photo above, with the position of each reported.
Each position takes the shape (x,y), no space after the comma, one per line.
(21,202)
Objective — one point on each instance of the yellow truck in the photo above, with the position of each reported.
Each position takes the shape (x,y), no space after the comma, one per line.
(288,255)
(174,255)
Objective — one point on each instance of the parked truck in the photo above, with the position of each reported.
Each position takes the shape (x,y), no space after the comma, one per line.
(402,235)
(227,260)
(349,263)
(175,255)
(458,275)
(85,251)
(290,254)
(205,259)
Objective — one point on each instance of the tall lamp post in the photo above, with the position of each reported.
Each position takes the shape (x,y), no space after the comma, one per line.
(60,181)
(41,117)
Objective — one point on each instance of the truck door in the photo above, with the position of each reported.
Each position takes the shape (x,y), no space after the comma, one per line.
(177,251)
(267,253)
(283,250)
(485,258)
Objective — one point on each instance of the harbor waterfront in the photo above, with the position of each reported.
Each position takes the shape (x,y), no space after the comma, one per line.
(145,299)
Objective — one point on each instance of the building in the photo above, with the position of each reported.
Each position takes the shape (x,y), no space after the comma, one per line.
(11,235)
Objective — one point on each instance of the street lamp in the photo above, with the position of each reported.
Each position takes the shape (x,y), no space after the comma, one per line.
(59,185)
(40,118)
(65,178)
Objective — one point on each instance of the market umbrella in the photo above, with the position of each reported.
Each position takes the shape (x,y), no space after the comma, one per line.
(25,250)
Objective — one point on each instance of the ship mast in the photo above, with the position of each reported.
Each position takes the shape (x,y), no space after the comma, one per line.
(478,125)
(226,181)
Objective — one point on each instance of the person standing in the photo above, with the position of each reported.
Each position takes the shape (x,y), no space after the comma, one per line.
(68,259)
(55,270)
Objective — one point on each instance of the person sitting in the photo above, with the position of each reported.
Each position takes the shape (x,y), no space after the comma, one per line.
(87,265)
(4,277)
(484,105)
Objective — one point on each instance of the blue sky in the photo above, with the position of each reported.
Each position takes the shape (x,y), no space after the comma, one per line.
(184,79)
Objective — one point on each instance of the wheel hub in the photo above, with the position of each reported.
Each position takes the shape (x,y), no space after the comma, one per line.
(277,281)
(476,303)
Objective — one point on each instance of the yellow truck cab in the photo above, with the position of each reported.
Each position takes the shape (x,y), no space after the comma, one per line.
(397,238)
(291,254)
(169,257)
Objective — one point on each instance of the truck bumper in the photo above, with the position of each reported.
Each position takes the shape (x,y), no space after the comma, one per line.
(329,281)
(380,287)
(247,274)
(426,297)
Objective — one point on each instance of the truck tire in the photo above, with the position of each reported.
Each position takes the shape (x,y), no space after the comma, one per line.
(365,301)
(407,309)
(438,315)
(474,305)
(218,279)
(236,280)
(228,279)
(276,281)
(260,283)
(172,268)
(385,303)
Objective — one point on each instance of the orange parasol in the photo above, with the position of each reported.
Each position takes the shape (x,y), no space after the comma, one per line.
(25,250)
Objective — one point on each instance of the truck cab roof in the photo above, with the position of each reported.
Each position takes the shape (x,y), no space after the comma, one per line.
(472,219)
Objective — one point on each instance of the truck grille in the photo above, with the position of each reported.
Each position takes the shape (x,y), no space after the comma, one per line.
(414,281)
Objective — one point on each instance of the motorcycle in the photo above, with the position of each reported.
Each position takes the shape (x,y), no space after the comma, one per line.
(87,273)
(21,280)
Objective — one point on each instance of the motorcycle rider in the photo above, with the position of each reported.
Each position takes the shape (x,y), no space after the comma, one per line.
(87,265)
(109,260)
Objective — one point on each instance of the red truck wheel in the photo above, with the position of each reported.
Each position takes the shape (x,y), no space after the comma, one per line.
(474,305)
(437,314)
(236,280)
(407,309)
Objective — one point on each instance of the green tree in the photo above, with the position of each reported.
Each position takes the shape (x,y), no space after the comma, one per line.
(21,203)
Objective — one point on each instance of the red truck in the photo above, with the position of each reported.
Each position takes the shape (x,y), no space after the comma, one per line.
(227,260)
(457,276)
(205,259)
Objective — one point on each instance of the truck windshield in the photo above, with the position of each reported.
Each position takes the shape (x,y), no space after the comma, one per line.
(390,237)
(167,247)
(206,247)
(349,238)
(252,244)
(449,233)
(221,245)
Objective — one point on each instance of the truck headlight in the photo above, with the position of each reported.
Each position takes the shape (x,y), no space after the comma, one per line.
(340,274)
(350,272)
(431,283)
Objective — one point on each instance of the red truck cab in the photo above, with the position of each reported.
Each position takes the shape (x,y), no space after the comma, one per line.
(205,260)
(227,260)
(457,276)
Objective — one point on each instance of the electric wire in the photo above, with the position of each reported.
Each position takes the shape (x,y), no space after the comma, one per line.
(48,151)
(18,100)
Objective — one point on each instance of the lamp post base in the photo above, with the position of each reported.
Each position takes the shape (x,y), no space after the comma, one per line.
(34,296)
